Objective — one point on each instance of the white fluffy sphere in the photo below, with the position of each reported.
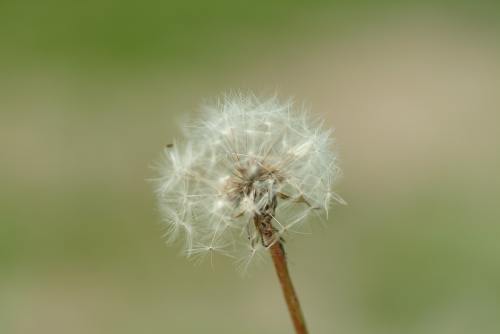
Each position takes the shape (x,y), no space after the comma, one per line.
(242,158)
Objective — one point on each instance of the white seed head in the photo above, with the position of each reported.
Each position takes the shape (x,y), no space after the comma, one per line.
(243,156)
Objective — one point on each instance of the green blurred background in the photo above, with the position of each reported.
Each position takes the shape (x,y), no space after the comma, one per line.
(91,91)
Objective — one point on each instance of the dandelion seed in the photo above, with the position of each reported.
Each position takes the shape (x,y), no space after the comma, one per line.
(239,160)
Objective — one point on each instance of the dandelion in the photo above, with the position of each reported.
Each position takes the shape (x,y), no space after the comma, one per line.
(250,173)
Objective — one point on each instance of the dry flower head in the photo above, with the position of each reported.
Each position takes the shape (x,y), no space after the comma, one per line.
(245,158)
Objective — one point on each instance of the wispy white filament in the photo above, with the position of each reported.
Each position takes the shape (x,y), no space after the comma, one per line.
(242,155)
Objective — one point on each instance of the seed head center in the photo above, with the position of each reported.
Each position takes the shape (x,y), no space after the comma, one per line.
(252,181)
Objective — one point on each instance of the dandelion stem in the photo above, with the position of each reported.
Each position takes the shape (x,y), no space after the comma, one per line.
(279,259)
(268,234)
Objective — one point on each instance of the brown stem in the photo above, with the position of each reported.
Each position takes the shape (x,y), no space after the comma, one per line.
(269,238)
(291,298)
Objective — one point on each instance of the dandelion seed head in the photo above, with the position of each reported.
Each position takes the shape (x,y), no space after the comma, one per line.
(242,157)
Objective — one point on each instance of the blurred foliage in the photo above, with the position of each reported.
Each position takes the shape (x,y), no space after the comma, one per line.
(107,34)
